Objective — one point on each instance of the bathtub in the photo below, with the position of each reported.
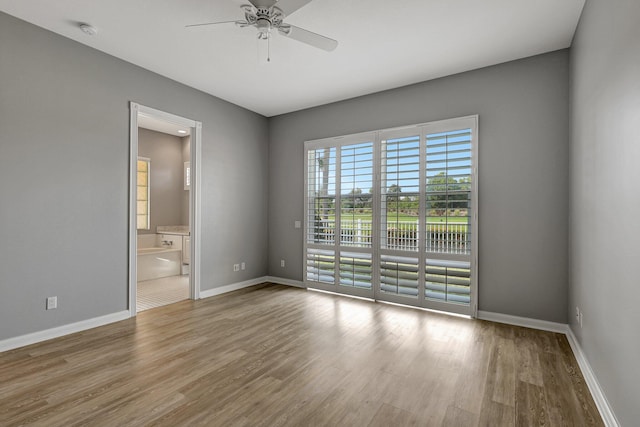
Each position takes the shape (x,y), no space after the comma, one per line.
(154,263)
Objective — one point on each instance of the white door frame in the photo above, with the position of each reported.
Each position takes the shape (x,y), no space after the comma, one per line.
(194,198)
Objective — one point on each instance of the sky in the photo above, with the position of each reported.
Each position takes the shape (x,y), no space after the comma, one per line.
(445,152)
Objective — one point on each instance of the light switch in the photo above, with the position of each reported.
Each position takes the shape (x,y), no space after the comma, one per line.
(297,224)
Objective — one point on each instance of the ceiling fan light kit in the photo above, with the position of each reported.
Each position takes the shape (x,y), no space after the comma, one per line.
(264,15)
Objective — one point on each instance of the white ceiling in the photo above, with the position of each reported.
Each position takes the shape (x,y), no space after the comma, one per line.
(382,44)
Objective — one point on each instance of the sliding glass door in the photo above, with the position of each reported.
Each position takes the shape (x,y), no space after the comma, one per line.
(339,210)
(399,212)
(392,215)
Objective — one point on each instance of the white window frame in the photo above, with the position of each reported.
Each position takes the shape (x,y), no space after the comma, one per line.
(423,129)
(338,143)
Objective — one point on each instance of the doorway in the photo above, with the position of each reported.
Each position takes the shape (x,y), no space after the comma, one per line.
(164,216)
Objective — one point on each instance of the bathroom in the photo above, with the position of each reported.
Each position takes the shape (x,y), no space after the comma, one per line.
(162,213)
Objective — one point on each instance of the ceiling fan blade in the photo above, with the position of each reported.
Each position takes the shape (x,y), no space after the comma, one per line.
(206,25)
(308,37)
(290,6)
(262,3)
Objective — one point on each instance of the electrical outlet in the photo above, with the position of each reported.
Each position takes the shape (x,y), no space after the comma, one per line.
(243,266)
(282,263)
(236,267)
(52,302)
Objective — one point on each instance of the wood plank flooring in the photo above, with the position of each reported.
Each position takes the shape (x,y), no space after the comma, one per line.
(272,355)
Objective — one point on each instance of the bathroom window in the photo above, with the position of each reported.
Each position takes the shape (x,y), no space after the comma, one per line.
(144,169)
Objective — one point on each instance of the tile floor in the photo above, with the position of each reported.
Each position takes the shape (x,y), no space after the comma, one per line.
(159,292)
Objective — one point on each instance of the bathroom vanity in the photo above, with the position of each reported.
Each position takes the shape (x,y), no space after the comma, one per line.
(179,237)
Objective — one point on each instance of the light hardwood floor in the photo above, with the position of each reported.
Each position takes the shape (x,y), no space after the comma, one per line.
(274,355)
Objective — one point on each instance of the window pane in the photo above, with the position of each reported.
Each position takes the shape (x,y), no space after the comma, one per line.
(399,275)
(142,194)
(142,222)
(142,208)
(400,195)
(448,281)
(355,270)
(321,196)
(448,192)
(321,266)
(142,179)
(356,198)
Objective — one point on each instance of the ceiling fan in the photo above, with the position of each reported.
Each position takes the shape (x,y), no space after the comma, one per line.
(268,15)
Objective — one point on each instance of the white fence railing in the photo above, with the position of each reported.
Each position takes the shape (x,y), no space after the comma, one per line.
(399,235)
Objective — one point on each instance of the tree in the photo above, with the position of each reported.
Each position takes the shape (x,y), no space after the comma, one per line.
(323,166)
(393,197)
(356,199)
(323,203)
(351,200)
(451,194)
(394,188)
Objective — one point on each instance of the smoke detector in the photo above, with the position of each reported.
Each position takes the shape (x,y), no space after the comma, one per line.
(89,29)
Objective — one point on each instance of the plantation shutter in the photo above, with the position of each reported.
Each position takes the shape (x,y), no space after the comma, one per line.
(320,229)
(391,215)
(399,215)
(400,190)
(448,281)
(320,265)
(356,202)
(399,275)
(449,167)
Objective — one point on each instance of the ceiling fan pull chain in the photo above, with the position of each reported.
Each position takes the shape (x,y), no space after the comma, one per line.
(268,49)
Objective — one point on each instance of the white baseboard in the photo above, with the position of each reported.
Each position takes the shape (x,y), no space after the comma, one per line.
(283,281)
(241,285)
(47,334)
(524,321)
(602,403)
(207,293)
(594,387)
(83,325)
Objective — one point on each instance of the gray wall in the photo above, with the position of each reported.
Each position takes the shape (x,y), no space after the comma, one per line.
(605,198)
(64,157)
(523,159)
(167,183)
